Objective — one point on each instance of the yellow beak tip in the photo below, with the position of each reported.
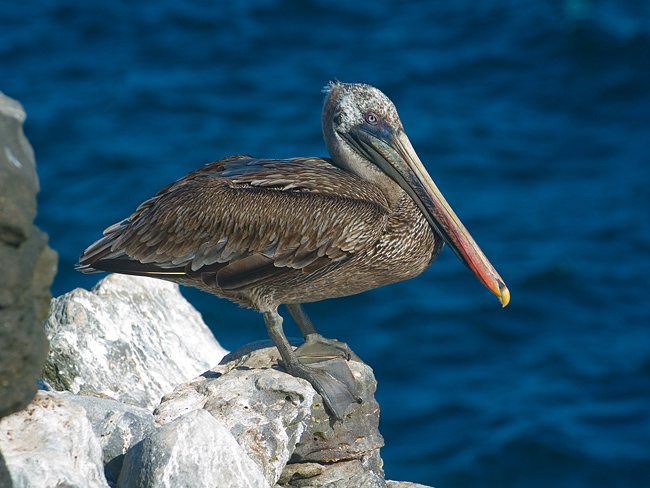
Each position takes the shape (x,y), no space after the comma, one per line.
(503,295)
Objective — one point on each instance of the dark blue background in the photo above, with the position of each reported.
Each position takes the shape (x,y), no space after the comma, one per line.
(532,117)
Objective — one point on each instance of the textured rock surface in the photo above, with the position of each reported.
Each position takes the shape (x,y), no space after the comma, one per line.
(51,444)
(243,423)
(266,410)
(132,339)
(404,484)
(194,450)
(5,477)
(344,474)
(116,425)
(27,265)
(274,416)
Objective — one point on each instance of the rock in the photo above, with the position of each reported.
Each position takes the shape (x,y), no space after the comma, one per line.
(27,265)
(278,418)
(344,474)
(405,484)
(51,444)
(358,435)
(5,477)
(264,409)
(194,450)
(132,339)
(116,425)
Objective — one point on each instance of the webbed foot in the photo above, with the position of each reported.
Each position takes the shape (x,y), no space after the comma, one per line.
(327,363)
(322,362)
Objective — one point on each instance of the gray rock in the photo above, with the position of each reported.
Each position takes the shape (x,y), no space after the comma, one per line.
(195,450)
(116,425)
(405,484)
(18,168)
(51,444)
(278,418)
(5,477)
(358,435)
(344,474)
(27,265)
(132,339)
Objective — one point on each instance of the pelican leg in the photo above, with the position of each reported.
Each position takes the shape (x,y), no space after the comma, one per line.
(300,316)
(323,375)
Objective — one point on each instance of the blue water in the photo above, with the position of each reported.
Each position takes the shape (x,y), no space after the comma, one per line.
(532,117)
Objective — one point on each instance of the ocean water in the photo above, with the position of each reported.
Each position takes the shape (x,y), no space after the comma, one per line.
(532,117)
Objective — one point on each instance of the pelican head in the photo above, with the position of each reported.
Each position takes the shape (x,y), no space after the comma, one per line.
(365,136)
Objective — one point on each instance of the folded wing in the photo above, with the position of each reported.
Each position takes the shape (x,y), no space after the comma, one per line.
(241,222)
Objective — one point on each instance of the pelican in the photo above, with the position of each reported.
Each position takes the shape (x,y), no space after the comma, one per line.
(269,232)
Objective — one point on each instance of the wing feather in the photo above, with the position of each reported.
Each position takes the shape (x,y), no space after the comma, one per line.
(246,221)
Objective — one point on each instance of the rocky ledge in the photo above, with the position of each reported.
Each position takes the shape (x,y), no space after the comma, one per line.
(99,420)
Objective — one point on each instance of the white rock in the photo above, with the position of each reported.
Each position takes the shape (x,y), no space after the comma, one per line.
(266,410)
(276,417)
(195,450)
(51,444)
(133,339)
(116,425)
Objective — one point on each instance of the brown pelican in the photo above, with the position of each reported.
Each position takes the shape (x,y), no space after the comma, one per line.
(266,232)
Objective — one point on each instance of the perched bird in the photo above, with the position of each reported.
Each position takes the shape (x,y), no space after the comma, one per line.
(266,232)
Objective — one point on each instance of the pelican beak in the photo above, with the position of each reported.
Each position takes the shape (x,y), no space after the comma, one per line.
(392,151)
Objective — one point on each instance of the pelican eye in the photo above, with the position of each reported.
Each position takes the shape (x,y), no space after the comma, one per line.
(371,118)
